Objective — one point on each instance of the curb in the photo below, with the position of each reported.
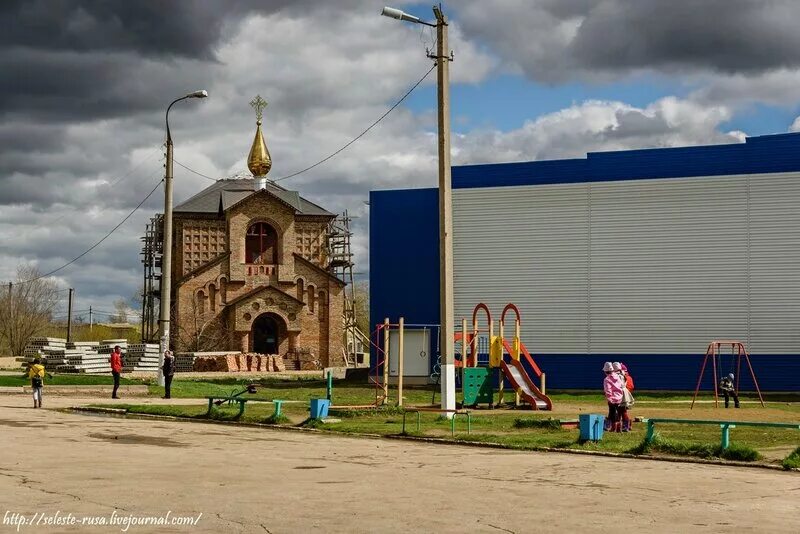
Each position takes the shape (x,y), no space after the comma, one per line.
(121,412)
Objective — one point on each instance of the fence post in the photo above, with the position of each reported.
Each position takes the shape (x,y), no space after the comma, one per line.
(651,431)
(726,435)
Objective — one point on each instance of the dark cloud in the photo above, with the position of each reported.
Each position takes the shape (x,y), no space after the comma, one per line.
(149,27)
(720,35)
(553,40)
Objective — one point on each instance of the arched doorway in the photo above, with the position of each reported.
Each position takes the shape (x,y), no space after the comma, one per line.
(268,332)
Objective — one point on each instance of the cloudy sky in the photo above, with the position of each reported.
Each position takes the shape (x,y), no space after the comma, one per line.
(85,85)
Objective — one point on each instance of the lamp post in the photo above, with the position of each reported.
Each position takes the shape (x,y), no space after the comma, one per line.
(166,258)
(442,57)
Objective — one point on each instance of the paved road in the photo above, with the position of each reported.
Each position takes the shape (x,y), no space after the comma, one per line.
(252,480)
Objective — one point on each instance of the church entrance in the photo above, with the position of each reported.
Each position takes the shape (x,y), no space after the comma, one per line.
(267,334)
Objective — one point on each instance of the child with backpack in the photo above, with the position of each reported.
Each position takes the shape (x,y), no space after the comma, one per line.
(36,373)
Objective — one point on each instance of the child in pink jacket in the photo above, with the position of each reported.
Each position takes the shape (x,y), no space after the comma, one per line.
(612,388)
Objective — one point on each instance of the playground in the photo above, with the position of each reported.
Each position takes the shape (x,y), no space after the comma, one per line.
(253,480)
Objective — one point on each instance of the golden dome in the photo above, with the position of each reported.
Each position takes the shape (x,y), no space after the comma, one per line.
(259,161)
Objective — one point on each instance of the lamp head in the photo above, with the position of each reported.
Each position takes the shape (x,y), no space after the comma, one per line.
(198,94)
(393,13)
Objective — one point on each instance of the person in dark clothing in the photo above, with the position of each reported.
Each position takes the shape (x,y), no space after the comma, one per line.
(116,368)
(169,372)
(728,390)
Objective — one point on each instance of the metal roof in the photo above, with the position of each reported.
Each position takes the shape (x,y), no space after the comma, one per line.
(227,192)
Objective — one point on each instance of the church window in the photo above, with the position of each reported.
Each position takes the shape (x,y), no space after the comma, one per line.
(261,244)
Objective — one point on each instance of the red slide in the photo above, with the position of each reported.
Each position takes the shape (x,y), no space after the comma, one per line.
(521,381)
(518,378)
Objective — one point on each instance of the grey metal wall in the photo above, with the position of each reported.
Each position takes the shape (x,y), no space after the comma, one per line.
(643,267)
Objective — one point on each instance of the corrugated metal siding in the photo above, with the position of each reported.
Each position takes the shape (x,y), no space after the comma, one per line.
(775,265)
(636,267)
(527,245)
(668,264)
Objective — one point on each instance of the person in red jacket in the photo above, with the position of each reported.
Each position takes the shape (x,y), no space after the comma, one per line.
(116,368)
(627,422)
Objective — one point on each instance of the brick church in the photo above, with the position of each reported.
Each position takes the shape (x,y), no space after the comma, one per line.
(250,269)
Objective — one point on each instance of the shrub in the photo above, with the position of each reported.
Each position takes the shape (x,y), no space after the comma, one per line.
(741,453)
(793,460)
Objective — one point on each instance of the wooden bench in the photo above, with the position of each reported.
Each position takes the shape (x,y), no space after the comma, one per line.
(227,400)
(455,413)
(724,425)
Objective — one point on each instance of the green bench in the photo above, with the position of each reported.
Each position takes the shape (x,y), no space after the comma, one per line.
(226,400)
(455,413)
(724,425)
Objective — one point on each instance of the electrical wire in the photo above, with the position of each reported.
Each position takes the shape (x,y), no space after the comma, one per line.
(194,171)
(337,152)
(111,185)
(362,134)
(87,251)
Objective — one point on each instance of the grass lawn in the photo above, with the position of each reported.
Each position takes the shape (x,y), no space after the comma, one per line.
(502,426)
(64,380)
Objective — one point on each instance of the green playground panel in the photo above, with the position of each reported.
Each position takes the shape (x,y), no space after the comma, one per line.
(477,386)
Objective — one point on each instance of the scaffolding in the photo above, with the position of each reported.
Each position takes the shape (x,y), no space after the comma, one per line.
(152,250)
(341,264)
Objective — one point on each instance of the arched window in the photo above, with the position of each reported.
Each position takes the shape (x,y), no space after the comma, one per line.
(311,298)
(301,290)
(212,297)
(201,302)
(261,244)
(223,291)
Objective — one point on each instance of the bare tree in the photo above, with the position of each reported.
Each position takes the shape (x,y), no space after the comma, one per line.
(362,306)
(200,330)
(121,310)
(26,308)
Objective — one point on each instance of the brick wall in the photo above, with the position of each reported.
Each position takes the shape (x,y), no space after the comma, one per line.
(208,291)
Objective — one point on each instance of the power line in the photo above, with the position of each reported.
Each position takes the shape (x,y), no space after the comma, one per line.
(343,148)
(113,184)
(362,134)
(96,244)
(194,171)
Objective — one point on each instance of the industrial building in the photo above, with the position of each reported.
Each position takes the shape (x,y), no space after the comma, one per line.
(640,256)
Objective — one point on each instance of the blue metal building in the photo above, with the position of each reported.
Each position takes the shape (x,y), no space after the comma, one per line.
(640,256)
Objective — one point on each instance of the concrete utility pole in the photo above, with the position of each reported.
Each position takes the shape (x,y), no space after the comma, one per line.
(90,319)
(69,315)
(166,258)
(446,306)
(443,57)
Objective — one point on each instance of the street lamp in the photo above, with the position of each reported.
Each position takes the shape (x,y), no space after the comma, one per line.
(166,258)
(442,57)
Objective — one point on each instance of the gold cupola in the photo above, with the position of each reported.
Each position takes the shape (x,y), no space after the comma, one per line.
(259,161)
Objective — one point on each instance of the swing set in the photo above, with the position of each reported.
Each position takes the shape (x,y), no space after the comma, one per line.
(714,353)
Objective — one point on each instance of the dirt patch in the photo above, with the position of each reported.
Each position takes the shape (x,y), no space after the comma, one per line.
(138,439)
(19,424)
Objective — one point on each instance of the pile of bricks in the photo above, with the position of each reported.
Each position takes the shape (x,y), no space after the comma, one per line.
(232,362)
(185,361)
